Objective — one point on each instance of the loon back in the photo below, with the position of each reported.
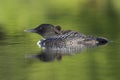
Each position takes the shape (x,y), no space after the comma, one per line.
(71,42)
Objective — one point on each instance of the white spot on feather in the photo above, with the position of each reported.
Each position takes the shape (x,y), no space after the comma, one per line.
(39,43)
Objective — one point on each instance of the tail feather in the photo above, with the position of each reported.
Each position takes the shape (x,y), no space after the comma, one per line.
(101,41)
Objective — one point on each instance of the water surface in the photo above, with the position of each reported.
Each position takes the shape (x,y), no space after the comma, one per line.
(96,63)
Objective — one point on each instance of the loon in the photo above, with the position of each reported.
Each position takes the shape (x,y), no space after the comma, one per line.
(62,42)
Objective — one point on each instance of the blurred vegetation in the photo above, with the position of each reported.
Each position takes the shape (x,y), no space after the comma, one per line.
(92,15)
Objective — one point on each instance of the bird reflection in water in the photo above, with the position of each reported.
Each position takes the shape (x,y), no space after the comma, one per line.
(57,42)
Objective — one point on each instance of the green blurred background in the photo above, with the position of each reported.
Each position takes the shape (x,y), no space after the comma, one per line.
(91,17)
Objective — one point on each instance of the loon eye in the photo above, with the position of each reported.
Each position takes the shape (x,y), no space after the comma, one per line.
(41,28)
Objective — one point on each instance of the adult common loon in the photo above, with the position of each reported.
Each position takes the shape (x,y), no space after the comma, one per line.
(58,41)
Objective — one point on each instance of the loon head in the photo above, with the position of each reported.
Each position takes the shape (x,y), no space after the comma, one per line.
(46,30)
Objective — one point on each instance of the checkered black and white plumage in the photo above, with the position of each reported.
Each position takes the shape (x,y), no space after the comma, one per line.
(70,42)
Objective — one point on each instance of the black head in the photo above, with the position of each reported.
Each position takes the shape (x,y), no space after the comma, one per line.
(43,28)
(46,30)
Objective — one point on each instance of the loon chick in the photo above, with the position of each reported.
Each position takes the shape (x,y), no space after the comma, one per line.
(46,30)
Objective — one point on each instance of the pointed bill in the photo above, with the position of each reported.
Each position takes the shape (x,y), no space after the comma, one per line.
(30,30)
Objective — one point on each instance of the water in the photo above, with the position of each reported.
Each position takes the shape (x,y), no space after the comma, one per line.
(100,63)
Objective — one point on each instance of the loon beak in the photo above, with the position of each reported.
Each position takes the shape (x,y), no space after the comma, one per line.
(30,30)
